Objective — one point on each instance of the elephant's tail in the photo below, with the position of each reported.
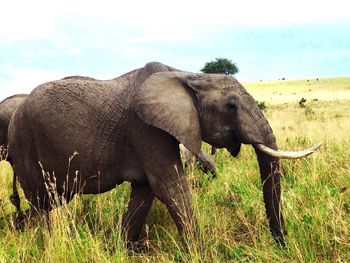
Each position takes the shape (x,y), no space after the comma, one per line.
(15,199)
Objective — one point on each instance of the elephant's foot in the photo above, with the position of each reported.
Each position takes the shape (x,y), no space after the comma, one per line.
(15,200)
(137,247)
(20,220)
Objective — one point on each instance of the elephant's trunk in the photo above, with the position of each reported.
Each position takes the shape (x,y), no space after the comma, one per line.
(268,157)
(270,177)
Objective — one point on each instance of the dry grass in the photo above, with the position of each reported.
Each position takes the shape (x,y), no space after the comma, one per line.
(291,91)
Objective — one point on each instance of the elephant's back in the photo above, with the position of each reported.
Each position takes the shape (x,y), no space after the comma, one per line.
(53,115)
(74,115)
(9,105)
(66,110)
(58,120)
(7,109)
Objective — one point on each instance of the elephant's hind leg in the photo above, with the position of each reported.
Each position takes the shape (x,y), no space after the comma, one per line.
(28,172)
(15,199)
(22,217)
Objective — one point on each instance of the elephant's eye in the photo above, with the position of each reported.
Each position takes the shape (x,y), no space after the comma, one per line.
(231,105)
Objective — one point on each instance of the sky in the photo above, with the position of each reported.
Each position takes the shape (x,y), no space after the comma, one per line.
(44,40)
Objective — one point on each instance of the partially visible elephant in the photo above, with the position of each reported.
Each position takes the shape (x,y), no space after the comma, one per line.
(129,129)
(7,108)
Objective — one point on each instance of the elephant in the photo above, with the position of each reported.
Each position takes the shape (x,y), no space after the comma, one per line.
(129,129)
(7,108)
(9,105)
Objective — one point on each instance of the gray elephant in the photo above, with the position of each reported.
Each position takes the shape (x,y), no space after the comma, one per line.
(7,108)
(129,129)
(10,105)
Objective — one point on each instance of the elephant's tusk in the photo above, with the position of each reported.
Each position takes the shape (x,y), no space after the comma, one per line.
(287,154)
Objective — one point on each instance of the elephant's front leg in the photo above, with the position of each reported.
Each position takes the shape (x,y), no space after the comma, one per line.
(160,156)
(170,187)
(141,199)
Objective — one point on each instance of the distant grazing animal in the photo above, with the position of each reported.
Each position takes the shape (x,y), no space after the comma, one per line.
(129,129)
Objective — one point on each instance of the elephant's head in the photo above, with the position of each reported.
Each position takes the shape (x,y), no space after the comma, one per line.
(218,110)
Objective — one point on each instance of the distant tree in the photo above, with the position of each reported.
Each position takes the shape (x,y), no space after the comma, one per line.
(220,66)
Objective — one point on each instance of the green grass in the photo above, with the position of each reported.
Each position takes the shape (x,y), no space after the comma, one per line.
(230,211)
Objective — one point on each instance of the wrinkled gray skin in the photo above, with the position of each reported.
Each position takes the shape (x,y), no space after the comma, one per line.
(7,108)
(128,129)
(9,105)
(205,162)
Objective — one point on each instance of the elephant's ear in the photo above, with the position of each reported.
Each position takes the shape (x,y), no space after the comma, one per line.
(163,101)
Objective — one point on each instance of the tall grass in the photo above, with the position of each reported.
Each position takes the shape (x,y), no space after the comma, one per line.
(229,209)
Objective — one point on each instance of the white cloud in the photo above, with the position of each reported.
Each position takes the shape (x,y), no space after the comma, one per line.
(74,51)
(48,52)
(159,13)
(32,77)
(26,20)
(25,80)
(27,54)
(122,35)
(160,19)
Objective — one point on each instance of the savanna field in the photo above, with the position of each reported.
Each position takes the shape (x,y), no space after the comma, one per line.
(231,214)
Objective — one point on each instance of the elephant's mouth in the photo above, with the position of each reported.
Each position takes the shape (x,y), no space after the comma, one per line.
(225,139)
(219,138)
(234,146)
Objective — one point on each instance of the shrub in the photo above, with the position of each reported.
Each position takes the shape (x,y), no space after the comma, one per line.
(302,102)
(261,104)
